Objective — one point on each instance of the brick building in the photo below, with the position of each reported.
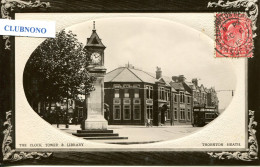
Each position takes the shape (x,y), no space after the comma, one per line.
(133,96)
(182,103)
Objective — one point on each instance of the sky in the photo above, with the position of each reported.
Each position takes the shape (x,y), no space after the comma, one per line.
(147,43)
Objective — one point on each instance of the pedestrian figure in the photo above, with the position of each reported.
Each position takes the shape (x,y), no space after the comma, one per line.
(58,117)
(76,120)
(106,113)
(67,121)
(70,120)
(148,122)
(81,121)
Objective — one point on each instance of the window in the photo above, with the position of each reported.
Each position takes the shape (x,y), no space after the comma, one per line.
(126,93)
(117,112)
(188,115)
(136,86)
(127,112)
(149,112)
(137,101)
(116,92)
(149,101)
(127,101)
(149,92)
(175,114)
(209,116)
(167,95)
(167,114)
(126,86)
(137,112)
(176,98)
(182,97)
(136,95)
(117,101)
(182,116)
(188,99)
(117,86)
(162,94)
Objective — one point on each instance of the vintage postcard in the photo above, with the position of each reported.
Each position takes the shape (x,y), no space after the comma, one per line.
(131,86)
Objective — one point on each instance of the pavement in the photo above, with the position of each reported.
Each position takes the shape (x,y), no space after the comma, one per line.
(140,134)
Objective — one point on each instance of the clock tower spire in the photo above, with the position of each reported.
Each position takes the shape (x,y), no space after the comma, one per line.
(95,48)
(95,100)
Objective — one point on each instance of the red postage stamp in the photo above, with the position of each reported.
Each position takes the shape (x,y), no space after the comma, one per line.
(234,36)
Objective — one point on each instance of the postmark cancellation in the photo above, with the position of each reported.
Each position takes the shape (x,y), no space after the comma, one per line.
(234,37)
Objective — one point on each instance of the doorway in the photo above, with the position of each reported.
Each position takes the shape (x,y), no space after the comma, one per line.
(162,116)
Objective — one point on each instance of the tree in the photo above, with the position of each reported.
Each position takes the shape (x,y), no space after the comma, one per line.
(58,69)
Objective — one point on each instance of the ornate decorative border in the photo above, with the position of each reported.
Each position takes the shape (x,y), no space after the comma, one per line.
(8,6)
(251,9)
(10,155)
(252,153)
(250,6)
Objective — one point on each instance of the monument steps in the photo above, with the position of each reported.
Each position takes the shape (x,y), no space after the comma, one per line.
(94,134)
(104,138)
(95,131)
(102,134)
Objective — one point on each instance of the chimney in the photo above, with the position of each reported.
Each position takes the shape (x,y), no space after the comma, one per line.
(175,78)
(195,81)
(129,66)
(158,72)
(181,78)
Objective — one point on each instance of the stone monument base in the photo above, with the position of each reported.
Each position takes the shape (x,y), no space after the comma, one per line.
(96,122)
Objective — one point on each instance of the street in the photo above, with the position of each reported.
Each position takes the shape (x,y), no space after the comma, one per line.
(140,134)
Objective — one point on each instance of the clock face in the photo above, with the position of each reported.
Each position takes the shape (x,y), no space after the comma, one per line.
(95,58)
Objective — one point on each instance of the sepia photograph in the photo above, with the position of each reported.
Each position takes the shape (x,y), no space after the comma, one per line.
(136,81)
(129,83)
(133,87)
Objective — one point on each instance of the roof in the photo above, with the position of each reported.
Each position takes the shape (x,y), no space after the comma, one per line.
(173,90)
(144,76)
(206,90)
(187,93)
(163,81)
(177,85)
(165,78)
(202,89)
(211,89)
(197,88)
(94,40)
(191,85)
(130,74)
(125,74)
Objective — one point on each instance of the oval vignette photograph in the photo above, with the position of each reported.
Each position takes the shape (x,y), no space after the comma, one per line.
(128,80)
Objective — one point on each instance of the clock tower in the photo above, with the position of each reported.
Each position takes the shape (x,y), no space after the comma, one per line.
(95,100)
